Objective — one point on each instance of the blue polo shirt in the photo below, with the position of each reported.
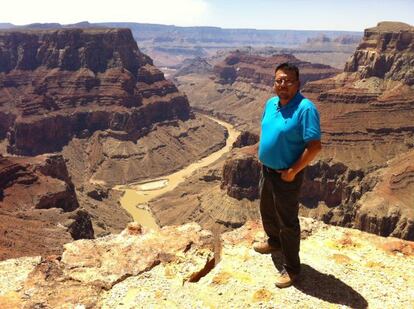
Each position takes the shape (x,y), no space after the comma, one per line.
(286,130)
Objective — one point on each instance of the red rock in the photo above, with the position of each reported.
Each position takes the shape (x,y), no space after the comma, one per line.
(241,175)
(246,138)
(385,52)
(242,66)
(65,83)
(39,210)
(366,111)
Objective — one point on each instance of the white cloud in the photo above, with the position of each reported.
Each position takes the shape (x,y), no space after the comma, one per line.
(178,12)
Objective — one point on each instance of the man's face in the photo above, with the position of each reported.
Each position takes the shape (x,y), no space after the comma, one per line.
(286,85)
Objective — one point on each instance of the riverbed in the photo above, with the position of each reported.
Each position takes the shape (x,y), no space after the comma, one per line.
(137,195)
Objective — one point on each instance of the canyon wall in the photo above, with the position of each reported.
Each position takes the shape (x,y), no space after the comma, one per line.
(39,210)
(367,116)
(93,99)
(83,80)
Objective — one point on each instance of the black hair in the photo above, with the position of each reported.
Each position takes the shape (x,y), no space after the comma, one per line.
(286,66)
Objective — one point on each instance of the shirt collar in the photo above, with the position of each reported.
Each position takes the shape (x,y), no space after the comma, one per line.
(294,101)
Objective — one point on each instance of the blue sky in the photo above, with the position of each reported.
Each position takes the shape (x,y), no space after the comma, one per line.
(259,14)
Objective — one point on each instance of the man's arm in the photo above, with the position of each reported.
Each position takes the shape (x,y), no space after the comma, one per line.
(310,152)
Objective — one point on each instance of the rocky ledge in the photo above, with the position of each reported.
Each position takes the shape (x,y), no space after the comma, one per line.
(178,267)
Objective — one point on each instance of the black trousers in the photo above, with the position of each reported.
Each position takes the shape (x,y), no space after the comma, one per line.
(279,209)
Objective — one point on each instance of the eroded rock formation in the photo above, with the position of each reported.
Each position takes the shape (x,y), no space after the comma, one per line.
(39,210)
(242,84)
(241,174)
(241,66)
(92,96)
(367,111)
(246,138)
(388,208)
(83,80)
(386,52)
(197,65)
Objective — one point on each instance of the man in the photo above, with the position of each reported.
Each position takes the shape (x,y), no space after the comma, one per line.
(289,141)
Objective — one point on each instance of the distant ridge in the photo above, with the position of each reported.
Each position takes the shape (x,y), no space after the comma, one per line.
(6,25)
(392,26)
(204,34)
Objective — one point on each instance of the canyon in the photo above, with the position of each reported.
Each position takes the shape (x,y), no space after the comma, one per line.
(366,117)
(84,112)
(93,98)
(171,46)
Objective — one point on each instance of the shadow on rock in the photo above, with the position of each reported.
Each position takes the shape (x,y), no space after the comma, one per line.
(325,287)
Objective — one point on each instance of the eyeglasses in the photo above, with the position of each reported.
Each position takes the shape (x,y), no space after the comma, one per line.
(287,82)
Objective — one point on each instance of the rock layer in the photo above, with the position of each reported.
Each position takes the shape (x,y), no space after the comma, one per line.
(241,66)
(367,111)
(387,209)
(91,95)
(241,174)
(386,52)
(39,210)
(367,118)
(83,80)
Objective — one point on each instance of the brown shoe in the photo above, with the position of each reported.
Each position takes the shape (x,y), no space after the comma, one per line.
(285,280)
(265,248)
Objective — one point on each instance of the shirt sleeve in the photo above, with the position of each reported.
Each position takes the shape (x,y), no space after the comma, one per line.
(311,129)
(263,113)
(264,109)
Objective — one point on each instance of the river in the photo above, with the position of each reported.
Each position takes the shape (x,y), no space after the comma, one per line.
(137,195)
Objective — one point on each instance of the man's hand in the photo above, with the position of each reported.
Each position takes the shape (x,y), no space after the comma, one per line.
(312,148)
(287,175)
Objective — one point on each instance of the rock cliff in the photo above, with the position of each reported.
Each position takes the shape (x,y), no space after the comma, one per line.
(39,210)
(386,52)
(197,65)
(242,66)
(83,80)
(241,84)
(91,96)
(367,111)
(246,138)
(241,174)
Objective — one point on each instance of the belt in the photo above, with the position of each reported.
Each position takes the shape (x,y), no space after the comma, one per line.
(271,170)
(277,172)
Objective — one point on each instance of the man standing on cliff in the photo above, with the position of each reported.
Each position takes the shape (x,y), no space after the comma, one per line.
(289,141)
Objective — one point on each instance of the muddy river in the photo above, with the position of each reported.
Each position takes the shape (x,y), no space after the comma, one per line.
(137,195)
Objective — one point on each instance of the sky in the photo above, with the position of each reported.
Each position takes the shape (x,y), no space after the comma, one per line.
(350,15)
